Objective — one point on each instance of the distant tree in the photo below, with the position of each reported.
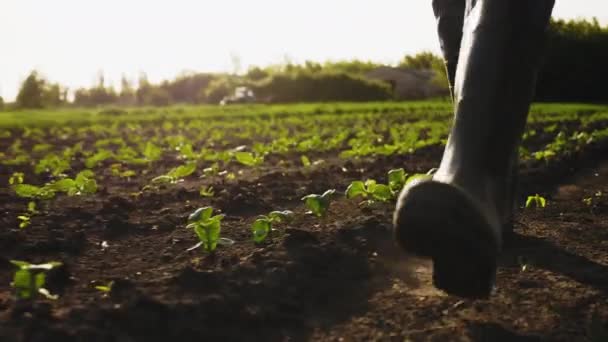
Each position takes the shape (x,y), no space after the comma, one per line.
(156,96)
(574,67)
(127,93)
(53,95)
(31,92)
(217,90)
(422,60)
(256,74)
(1,103)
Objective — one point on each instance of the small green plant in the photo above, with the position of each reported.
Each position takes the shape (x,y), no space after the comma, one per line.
(33,191)
(305,161)
(536,201)
(370,190)
(207,227)
(318,204)
(262,226)
(206,191)
(25,219)
(397,179)
(83,184)
(105,288)
(16,178)
(29,279)
(176,174)
(248,158)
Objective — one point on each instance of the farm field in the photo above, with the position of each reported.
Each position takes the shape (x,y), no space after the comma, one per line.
(109,194)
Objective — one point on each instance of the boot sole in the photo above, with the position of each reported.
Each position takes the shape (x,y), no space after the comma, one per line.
(441,222)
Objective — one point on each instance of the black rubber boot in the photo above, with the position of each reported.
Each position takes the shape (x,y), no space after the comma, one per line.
(457,218)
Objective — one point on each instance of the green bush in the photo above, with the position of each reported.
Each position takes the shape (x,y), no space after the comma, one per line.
(319,87)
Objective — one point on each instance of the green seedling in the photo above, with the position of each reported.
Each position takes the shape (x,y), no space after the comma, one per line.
(207,227)
(105,288)
(248,158)
(262,227)
(175,175)
(33,191)
(370,190)
(318,204)
(305,161)
(152,152)
(97,158)
(26,219)
(206,191)
(16,178)
(29,279)
(117,171)
(397,179)
(536,201)
(83,184)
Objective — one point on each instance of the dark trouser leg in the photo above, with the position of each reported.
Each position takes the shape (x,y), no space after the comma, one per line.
(456,218)
(450,19)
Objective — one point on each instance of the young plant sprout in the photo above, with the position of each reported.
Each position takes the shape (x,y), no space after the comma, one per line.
(29,279)
(207,228)
(536,201)
(206,191)
(248,158)
(82,184)
(176,174)
(26,218)
(262,227)
(318,204)
(370,190)
(105,288)
(16,178)
(397,179)
(305,161)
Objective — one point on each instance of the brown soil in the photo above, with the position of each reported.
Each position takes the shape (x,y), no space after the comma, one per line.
(339,278)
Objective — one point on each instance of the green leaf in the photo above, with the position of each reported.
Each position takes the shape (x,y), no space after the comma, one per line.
(201,214)
(63,185)
(396,179)
(209,233)
(16,178)
(382,193)
(105,288)
(305,161)
(89,187)
(31,207)
(206,191)
(317,204)
(280,216)
(21,283)
(32,191)
(20,264)
(97,158)
(248,158)
(39,280)
(260,229)
(182,171)
(152,152)
(356,188)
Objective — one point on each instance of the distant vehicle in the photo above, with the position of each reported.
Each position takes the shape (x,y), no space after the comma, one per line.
(240,95)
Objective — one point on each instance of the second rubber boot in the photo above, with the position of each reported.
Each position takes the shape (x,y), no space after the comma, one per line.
(456,217)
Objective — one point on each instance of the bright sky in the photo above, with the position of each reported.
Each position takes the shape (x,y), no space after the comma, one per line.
(70,41)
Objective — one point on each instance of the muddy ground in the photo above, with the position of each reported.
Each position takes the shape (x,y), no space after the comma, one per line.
(339,278)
